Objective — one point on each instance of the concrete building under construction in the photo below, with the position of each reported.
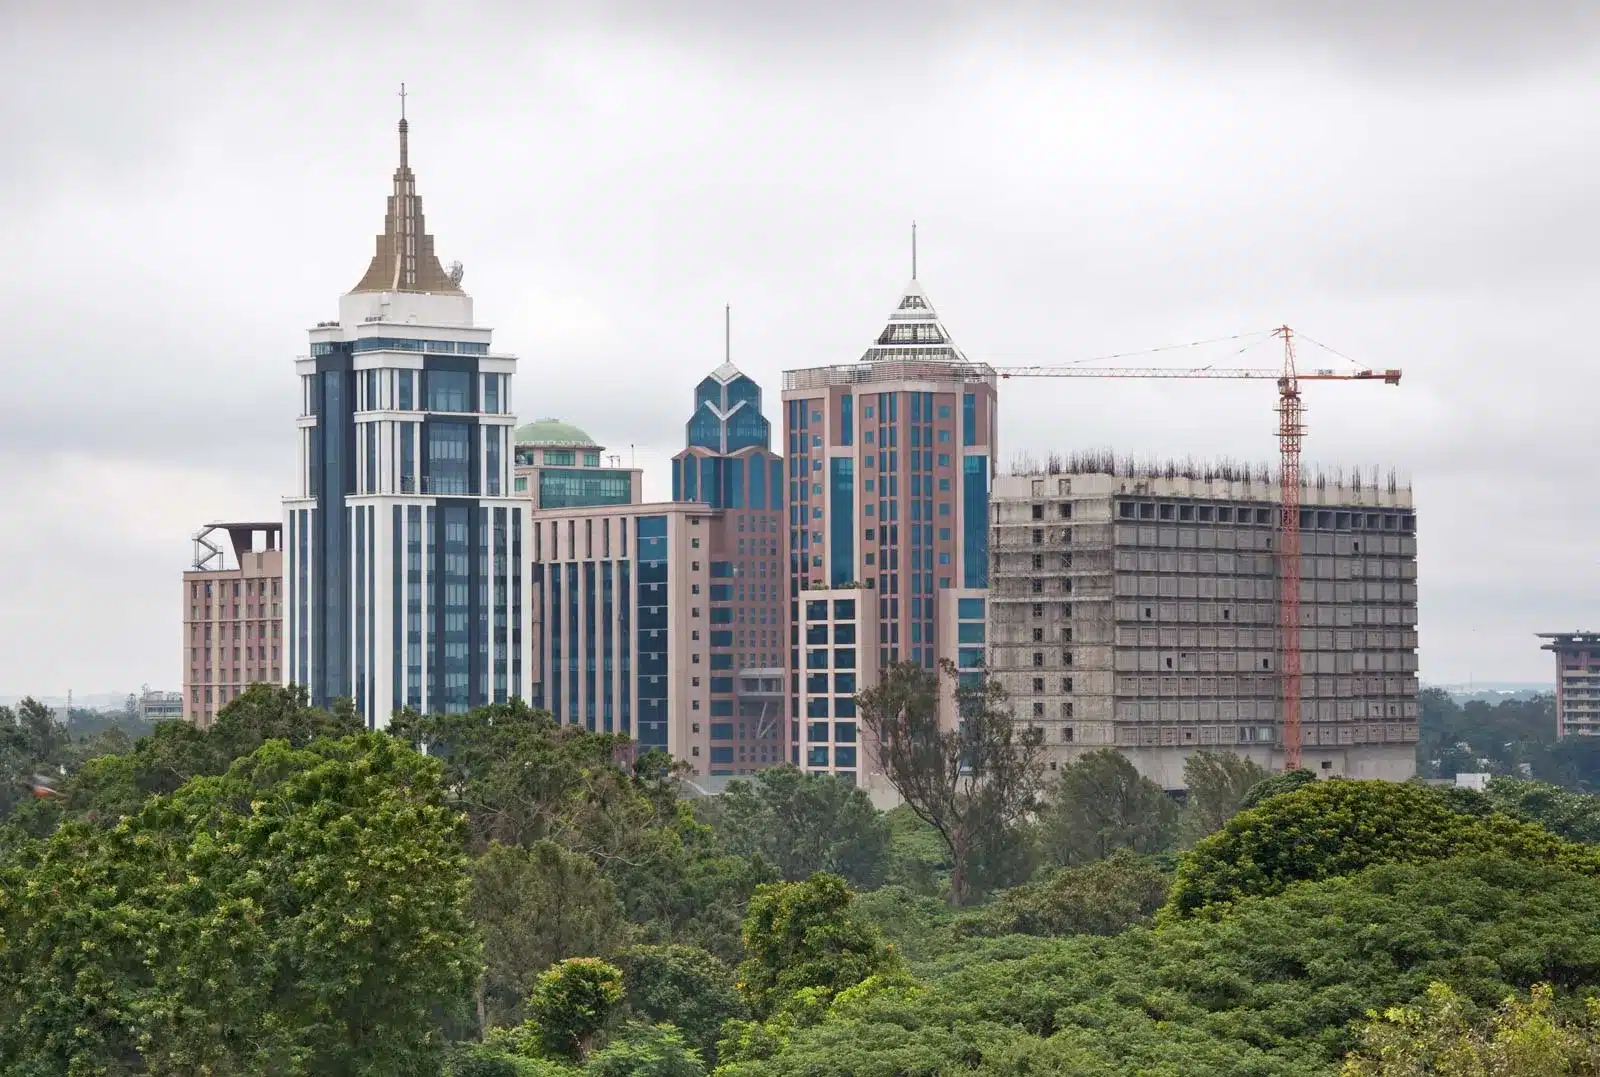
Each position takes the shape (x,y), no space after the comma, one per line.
(1136,607)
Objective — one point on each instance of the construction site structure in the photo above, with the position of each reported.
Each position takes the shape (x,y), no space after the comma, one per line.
(1138,607)
(1291,437)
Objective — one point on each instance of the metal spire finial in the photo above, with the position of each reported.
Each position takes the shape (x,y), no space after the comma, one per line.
(404,128)
(727,332)
(913,250)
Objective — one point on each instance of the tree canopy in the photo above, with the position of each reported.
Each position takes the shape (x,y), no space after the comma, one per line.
(973,784)
(303,912)
(1332,828)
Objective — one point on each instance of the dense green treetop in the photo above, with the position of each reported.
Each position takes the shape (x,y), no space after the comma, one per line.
(805,823)
(305,912)
(1270,990)
(1099,804)
(1332,828)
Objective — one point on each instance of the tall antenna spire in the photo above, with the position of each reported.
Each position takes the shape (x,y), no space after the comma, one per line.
(913,250)
(404,129)
(727,332)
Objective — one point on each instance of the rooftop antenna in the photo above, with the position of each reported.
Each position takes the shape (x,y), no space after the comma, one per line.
(913,250)
(404,127)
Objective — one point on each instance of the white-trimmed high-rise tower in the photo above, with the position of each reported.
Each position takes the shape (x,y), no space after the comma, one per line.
(404,572)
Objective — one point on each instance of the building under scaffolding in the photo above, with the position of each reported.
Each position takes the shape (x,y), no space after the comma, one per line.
(1135,605)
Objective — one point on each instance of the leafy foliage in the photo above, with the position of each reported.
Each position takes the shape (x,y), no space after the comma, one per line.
(1270,990)
(803,936)
(1574,816)
(1286,781)
(1217,783)
(640,1050)
(974,784)
(1333,828)
(571,1005)
(535,906)
(304,912)
(31,742)
(1100,804)
(113,786)
(1100,898)
(522,778)
(684,986)
(805,823)
(1523,1039)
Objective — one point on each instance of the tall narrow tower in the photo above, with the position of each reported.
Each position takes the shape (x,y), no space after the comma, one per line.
(405,572)
(890,461)
(728,464)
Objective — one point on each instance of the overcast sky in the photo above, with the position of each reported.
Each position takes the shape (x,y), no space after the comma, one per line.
(184,190)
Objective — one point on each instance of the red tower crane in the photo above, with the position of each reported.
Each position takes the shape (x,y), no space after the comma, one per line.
(1291,433)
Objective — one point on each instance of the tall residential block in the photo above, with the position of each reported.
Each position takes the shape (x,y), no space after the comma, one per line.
(558,466)
(233,623)
(890,460)
(1577,682)
(1138,609)
(728,465)
(406,561)
(622,624)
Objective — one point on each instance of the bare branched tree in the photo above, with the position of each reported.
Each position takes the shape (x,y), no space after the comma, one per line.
(970,783)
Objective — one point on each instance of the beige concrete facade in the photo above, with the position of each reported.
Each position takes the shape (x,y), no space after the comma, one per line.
(233,618)
(621,623)
(1140,612)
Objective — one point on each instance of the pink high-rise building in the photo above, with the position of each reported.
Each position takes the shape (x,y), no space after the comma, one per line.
(890,464)
(233,623)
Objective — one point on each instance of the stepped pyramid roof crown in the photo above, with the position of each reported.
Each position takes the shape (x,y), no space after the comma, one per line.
(404,260)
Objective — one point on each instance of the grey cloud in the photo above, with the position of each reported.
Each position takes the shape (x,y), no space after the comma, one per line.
(190,186)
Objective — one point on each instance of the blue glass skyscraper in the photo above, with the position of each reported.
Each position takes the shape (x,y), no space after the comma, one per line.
(728,464)
(404,558)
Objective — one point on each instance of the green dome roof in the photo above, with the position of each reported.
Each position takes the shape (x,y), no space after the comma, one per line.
(554,432)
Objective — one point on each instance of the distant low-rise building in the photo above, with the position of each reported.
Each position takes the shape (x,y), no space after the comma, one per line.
(233,615)
(1577,682)
(159,706)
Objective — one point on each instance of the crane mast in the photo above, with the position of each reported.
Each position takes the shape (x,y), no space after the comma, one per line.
(1291,435)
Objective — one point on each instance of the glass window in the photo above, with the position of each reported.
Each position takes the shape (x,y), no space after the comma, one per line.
(448,390)
(491,393)
(591,459)
(560,457)
(581,487)
(448,458)
(494,435)
(969,609)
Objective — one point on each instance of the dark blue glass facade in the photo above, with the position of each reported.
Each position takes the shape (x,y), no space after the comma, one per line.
(975,521)
(449,673)
(842,520)
(449,460)
(652,628)
(333,475)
